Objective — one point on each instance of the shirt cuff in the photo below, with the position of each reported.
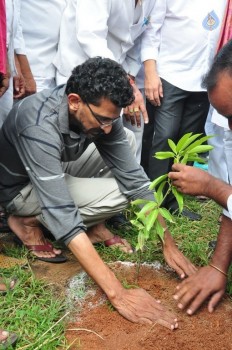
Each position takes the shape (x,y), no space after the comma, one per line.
(228,212)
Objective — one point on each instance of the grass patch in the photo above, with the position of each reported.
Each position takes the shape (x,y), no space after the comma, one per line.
(33,310)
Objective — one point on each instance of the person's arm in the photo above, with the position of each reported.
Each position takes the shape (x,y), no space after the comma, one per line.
(30,84)
(134,184)
(133,112)
(18,81)
(209,281)
(193,181)
(136,305)
(150,50)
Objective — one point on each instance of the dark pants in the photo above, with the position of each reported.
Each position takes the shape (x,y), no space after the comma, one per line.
(180,112)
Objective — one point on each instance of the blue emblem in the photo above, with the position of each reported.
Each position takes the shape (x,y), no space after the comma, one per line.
(146,21)
(211,21)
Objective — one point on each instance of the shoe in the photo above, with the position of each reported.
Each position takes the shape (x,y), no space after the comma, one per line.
(118,221)
(10,341)
(191,215)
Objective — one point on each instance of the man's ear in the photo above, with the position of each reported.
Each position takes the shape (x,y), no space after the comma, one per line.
(74,101)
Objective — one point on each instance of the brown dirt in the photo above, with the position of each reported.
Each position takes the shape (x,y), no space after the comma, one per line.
(201,331)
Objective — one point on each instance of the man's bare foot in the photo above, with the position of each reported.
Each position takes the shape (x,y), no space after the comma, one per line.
(100,233)
(29,232)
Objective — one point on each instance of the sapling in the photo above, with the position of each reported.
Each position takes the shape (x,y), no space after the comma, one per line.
(146,220)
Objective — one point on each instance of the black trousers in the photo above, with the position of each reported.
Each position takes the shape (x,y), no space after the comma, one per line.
(180,112)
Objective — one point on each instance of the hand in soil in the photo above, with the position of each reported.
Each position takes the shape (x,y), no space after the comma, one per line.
(136,305)
(176,260)
(192,292)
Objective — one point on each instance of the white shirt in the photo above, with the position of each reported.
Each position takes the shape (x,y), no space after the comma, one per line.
(107,28)
(41,24)
(187,32)
(15,42)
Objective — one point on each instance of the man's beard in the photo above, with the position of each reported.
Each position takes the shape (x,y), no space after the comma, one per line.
(77,127)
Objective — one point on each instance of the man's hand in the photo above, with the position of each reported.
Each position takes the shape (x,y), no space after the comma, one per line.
(133,112)
(30,86)
(192,292)
(175,259)
(189,180)
(136,305)
(154,89)
(4,83)
(19,86)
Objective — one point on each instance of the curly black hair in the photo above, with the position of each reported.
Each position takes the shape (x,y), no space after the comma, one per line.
(99,78)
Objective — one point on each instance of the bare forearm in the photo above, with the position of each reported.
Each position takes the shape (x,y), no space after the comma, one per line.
(222,256)
(91,262)
(218,191)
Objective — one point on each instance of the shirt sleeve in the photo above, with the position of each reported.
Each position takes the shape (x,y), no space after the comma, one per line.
(92,28)
(116,153)
(228,212)
(40,151)
(19,44)
(152,35)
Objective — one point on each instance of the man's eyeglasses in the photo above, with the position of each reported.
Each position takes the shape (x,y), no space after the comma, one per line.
(103,121)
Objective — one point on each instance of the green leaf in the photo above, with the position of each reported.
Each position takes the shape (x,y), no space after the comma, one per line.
(200,149)
(190,140)
(151,218)
(195,158)
(198,142)
(157,181)
(166,214)
(139,202)
(159,194)
(172,145)
(160,230)
(164,155)
(179,197)
(141,241)
(146,209)
(181,143)
(137,224)
(185,159)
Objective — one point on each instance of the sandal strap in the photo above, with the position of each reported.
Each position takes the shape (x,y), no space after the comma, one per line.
(40,247)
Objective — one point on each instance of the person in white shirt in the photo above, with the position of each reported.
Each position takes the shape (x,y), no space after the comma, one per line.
(116,29)
(209,282)
(21,81)
(41,40)
(184,47)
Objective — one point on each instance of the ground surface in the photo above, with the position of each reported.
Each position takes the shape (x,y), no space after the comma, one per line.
(201,331)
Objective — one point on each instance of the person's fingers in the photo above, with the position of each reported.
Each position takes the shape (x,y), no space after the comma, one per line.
(215,300)
(161,90)
(197,302)
(173,325)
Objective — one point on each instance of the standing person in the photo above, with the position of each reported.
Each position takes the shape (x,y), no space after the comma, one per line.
(20,79)
(57,142)
(184,46)
(117,29)
(3,53)
(210,281)
(41,40)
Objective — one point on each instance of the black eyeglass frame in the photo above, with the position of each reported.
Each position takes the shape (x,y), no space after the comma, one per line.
(102,120)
